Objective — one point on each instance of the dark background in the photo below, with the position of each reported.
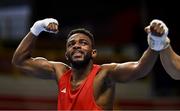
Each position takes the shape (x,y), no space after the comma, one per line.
(115,24)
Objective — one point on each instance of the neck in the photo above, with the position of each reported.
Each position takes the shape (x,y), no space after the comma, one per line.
(81,72)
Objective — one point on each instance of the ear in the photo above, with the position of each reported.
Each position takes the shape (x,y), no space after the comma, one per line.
(66,56)
(94,53)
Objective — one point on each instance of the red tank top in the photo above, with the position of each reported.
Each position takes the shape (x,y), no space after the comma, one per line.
(82,98)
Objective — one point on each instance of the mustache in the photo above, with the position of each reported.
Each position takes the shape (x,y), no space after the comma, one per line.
(77,51)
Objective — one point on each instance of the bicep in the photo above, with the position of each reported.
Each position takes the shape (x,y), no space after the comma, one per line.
(123,72)
(37,65)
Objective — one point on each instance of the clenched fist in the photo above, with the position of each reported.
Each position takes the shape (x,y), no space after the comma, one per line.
(157,35)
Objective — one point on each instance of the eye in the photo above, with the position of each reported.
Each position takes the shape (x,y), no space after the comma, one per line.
(70,44)
(84,42)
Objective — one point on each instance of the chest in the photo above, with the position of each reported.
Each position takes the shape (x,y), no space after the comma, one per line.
(76,84)
(94,91)
(97,83)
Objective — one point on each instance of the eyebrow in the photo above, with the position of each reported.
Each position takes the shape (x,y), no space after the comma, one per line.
(79,40)
(83,40)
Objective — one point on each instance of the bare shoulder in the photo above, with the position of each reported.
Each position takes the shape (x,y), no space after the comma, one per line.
(108,67)
(111,70)
(60,68)
(60,65)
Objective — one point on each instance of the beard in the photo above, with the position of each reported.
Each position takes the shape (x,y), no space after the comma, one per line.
(80,63)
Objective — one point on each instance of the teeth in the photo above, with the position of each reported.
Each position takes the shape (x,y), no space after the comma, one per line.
(77,53)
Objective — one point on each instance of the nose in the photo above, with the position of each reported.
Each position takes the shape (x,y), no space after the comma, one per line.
(76,46)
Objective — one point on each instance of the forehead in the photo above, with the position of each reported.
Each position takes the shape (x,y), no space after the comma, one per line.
(78,36)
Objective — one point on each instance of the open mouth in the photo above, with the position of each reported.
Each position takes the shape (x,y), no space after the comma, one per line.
(77,54)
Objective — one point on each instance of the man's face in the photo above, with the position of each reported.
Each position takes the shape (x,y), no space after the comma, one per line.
(79,49)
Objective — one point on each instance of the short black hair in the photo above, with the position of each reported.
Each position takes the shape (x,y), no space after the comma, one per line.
(83,31)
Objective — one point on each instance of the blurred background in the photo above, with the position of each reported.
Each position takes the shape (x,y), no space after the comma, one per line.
(118,27)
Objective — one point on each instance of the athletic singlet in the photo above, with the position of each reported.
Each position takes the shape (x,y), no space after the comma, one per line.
(82,98)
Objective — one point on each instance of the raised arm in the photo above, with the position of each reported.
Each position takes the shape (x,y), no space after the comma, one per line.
(171,62)
(128,71)
(157,40)
(22,57)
